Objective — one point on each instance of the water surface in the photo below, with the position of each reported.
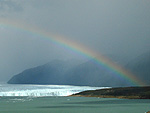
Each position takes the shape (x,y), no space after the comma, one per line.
(72,105)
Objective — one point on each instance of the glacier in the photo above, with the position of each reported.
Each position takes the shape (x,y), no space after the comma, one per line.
(42,90)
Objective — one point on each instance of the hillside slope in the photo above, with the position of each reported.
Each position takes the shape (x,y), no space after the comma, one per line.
(62,73)
(122,92)
(88,73)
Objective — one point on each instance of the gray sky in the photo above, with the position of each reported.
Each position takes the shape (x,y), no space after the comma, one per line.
(117,27)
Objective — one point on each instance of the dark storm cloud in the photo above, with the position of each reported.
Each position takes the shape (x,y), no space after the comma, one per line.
(118,27)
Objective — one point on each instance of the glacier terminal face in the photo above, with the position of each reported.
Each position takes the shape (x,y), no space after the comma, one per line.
(42,90)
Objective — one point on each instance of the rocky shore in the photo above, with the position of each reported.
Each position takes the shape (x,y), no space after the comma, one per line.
(121,92)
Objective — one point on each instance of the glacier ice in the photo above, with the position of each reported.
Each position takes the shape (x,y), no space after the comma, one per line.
(42,90)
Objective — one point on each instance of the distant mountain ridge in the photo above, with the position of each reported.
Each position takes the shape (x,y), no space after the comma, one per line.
(50,73)
(88,73)
(61,73)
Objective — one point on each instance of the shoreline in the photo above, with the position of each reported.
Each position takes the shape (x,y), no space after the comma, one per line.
(120,92)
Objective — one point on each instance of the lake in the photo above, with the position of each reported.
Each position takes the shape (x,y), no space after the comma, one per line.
(72,105)
(16,98)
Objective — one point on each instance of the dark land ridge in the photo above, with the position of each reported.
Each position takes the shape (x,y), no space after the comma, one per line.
(87,73)
(121,92)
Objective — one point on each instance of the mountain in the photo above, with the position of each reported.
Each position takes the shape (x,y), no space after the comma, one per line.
(92,74)
(88,73)
(140,66)
(66,73)
(50,73)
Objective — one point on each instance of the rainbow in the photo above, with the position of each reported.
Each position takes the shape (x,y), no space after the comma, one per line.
(75,47)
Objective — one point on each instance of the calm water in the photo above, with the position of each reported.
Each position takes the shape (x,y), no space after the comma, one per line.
(72,105)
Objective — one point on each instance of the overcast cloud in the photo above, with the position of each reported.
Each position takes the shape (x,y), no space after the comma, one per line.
(117,27)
